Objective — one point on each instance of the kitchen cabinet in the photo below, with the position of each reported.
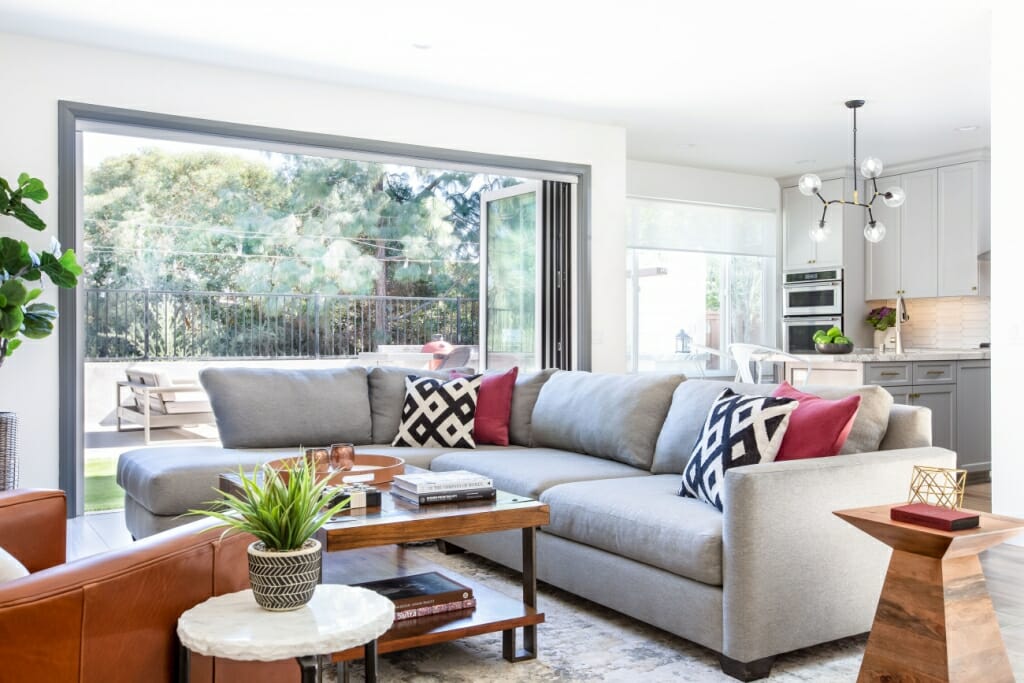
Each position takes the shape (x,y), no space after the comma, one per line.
(941,398)
(962,230)
(974,415)
(933,240)
(959,394)
(799,215)
(918,238)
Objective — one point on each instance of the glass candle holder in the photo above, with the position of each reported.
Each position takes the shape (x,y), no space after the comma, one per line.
(342,457)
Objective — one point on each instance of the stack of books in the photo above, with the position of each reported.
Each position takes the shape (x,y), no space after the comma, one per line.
(442,487)
(423,595)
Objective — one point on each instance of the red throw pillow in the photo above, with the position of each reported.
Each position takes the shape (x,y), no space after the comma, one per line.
(819,427)
(493,407)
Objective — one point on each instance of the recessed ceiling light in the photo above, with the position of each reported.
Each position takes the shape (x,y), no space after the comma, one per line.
(422,46)
(965,129)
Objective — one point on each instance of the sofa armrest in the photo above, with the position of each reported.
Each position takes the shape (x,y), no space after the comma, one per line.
(33,527)
(794,574)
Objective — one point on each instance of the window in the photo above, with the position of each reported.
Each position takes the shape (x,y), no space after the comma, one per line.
(698,277)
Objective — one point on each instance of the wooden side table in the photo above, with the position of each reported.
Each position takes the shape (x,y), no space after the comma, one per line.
(935,620)
(233,626)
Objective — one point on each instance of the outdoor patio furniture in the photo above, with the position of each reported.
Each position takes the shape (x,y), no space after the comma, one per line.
(159,401)
(458,358)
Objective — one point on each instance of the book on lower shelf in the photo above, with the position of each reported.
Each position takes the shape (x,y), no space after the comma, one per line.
(434,482)
(443,496)
(935,517)
(422,591)
(443,608)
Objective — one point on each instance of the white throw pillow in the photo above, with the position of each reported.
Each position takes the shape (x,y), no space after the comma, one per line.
(10,568)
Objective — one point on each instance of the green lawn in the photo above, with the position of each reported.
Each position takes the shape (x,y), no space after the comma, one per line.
(101,491)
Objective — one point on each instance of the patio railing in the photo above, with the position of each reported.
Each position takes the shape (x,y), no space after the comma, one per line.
(145,324)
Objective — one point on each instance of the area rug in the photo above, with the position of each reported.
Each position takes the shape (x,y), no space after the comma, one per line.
(582,641)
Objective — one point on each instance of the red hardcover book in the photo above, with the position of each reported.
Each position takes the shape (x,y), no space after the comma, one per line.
(934,517)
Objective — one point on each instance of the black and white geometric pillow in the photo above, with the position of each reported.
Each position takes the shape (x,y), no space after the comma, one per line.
(438,412)
(739,430)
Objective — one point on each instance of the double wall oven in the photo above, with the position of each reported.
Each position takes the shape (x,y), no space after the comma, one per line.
(811,300)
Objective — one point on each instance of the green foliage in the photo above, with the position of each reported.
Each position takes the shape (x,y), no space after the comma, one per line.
(19,264)
(283,509)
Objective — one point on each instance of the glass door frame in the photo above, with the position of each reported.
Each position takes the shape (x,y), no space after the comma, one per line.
(72,116)
(532,186)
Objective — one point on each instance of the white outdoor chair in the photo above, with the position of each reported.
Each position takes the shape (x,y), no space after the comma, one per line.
(746,354)
(159,401)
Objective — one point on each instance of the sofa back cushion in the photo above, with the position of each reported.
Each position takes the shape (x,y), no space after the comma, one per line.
(524,399)
(610,416)
(387,396)
(693,398)
(273,407)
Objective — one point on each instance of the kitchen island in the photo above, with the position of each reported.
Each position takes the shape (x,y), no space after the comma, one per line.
(954,383)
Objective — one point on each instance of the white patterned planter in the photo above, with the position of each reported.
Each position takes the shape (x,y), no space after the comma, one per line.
(284,580)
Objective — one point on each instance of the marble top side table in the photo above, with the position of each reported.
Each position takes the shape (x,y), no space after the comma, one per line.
(233,626)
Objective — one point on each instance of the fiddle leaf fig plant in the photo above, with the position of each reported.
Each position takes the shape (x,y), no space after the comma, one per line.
(21,267)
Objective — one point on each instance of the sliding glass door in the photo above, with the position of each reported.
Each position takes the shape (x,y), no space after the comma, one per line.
(510,285)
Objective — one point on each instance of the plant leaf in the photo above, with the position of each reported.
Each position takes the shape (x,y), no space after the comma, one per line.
(27,216)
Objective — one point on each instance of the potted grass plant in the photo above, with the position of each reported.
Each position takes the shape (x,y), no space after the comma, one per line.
(282,505)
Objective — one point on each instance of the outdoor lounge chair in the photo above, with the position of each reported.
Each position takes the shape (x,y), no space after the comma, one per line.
(159,401)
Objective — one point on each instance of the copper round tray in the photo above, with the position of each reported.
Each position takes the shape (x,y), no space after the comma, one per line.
(368,469)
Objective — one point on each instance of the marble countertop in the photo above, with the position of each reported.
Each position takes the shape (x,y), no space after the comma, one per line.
(864,355)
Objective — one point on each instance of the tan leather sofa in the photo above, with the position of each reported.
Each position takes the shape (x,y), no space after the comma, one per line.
(111,617)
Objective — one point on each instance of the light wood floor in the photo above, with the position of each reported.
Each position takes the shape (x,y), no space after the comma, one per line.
(1004,565)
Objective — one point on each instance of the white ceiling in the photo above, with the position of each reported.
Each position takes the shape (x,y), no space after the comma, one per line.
(754,87)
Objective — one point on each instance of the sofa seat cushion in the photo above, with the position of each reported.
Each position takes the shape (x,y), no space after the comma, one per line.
(417,456)
(275,407)
(529,471)
(617,417)
(644,519)
(174,479)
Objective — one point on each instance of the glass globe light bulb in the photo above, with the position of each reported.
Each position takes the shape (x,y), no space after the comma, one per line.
(871,167)
(874,232)
(820,231)
(894,196)
(809,184)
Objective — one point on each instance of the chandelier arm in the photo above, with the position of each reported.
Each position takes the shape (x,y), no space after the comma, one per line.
(824,211)
(871,216)
(817,193)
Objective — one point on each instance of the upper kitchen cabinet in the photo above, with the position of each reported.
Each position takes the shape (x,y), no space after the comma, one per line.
(905,261)
(799,214)
(963,227)
(933,240)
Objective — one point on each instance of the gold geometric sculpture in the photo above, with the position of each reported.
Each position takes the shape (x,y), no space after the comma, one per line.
(938,486)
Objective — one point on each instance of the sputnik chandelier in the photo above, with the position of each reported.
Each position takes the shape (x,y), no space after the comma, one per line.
(871,168)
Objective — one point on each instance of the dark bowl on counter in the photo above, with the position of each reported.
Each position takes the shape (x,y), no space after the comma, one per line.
(834,348)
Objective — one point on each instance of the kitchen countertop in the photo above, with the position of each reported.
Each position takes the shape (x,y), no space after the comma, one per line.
(865,355)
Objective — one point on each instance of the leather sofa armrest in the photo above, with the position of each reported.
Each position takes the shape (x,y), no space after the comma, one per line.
(794,574)
(33,527)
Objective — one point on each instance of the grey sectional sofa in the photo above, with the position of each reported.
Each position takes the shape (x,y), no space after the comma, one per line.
(774,572)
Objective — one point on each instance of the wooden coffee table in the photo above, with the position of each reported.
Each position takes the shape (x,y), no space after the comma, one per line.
(935,620)
(371,539)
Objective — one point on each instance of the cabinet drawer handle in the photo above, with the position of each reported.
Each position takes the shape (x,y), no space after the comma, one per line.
(891,374)
(915,395)
(936,372)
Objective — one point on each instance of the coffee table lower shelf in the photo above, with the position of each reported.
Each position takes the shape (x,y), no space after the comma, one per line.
(494,612)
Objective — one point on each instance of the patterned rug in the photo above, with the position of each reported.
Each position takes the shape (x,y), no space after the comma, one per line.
(582,641)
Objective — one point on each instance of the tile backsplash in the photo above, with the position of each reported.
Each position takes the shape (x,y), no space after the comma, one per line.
(947,323)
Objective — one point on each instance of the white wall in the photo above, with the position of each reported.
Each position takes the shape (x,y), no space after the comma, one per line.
(1007,246)
(38,73)
(684,183)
